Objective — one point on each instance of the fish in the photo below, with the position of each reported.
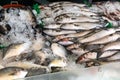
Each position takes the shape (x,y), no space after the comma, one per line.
(57,32)
(58,63)
(86,57)
(81,26)
(111,46)
(25,65)
(73,35)
(79,51)
(106,39)
(16,49)
(52,26)
(66,43)
(11,73)
(115,57)
(59,50)
(99,35)
(73,46)
(75,19)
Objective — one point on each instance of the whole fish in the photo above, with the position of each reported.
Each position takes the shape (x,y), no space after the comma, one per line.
(81,26)
(112,46)
(99,35)
(16,49)
(74,19)
(52,26)
(79,51)
(59,50)
(25,65)
(57,32)
(73,46)
(107,54)
(57,63)
(86,57)
(11,73)
(106,39)
(74,35)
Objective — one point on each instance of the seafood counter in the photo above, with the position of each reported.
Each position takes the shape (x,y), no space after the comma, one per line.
(73,36)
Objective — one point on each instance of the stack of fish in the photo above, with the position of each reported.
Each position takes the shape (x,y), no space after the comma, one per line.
(82,31)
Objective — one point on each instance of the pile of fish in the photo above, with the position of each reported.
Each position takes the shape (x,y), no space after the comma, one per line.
(82,31)
(73,36)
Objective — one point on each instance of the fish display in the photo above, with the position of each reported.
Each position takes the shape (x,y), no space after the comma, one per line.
(63,35)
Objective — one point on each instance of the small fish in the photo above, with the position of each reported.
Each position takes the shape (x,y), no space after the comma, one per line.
(115,57)
(73,46)
(79,51)
(16,49)
(57,32)
(59,50)
(106,39)
(75,19)
(112,46)
(86,57)
(25,65)
(58,63)
(74,35)
(11,73)
(66,43)
(81,26)
(99,35)
(52,26)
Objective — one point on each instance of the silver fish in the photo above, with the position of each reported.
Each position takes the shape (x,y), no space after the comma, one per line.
(99,35)
(79,51)
(57,32)
(74,35)
(112,46)
(73,19)
(11,73)
(59,50)
(16,49)
(25,65)
(106,39)
(86,57)
(107,54)
(66,43)
(52,26)
(81,26)
(115,57)
(73,46)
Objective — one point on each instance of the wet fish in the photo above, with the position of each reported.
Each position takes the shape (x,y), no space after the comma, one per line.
(57,32)
(52,26)
(58,63)
(106,39)
(74,19)
(59,50)
(81,26)
(74,35)
(107,54)
(16,49)
(73,46)
(11,73)
(99,35)
(79,51)
(25,65)
(112,46)
(86,57)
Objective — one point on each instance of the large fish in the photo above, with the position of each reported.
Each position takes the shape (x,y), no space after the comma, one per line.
(106,39)
(11,73)
(112,46)
(74,35)
(57,32)
(99,35)
(81,26)
(59,50)
(73,19)
(16,49)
